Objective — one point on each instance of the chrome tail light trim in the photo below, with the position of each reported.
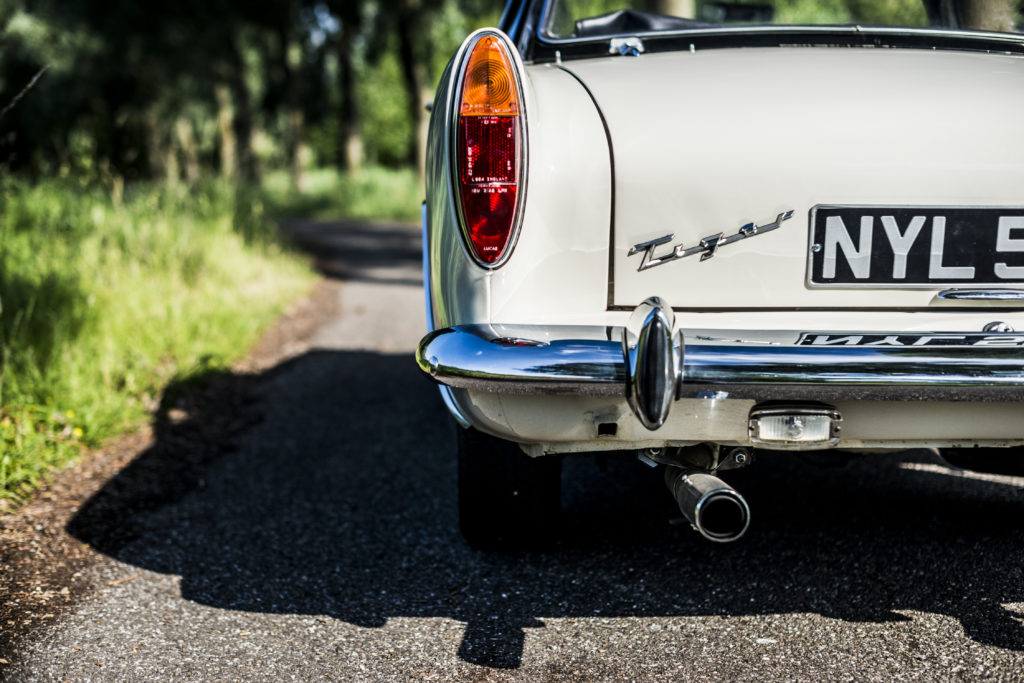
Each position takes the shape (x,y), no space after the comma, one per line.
(458,73)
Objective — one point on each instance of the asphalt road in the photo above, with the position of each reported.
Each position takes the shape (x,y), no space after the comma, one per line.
(324,546)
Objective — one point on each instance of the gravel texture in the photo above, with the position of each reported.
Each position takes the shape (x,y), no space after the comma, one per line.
(317,539)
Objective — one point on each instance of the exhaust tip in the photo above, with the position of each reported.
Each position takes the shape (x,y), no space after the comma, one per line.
(716,510)
(722,516)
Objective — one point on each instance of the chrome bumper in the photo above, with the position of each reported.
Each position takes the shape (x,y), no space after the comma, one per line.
(650,367)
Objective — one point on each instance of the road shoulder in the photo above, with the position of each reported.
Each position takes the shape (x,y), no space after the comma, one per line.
(44,566)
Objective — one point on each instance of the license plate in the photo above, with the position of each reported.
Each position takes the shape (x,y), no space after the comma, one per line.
(915,246)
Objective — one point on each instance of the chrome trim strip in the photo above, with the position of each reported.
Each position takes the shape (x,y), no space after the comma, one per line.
(952,373)
(582,361)
(982,294)
(428,293)
(1013,38)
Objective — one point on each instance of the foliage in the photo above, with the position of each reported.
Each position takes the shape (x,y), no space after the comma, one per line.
(164,90)
(326,193)
(106,299)
(386,122)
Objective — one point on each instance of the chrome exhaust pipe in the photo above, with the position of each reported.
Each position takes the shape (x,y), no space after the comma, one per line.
(716,510)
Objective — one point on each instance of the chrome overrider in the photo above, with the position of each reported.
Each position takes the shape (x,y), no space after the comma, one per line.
(651,362)
(650,366)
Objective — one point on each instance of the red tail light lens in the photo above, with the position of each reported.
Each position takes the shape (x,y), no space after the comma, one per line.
(487,150)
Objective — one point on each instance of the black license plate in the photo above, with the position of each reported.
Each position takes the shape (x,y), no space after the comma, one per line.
(915,246)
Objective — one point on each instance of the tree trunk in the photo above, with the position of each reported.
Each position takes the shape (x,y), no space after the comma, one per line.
(412,78)
(172,171)
(158,149)
(226,132)
(350,156)
(989,15)
(299,153)
(289,56)
(678,8)
(187,142)
(242,122)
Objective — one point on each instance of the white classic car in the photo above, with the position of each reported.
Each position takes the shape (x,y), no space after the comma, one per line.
(695,228)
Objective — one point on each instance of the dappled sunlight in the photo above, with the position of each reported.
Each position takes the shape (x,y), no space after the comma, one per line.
(935,468)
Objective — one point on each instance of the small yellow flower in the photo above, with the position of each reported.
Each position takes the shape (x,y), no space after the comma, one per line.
(77,431)
(70,414)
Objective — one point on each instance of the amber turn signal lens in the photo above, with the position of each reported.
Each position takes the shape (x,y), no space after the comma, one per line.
(489,88)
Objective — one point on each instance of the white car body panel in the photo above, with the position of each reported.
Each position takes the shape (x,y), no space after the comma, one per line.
(561,258)
(708,141)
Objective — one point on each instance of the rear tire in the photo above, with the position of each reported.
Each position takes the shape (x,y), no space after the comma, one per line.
(507,500)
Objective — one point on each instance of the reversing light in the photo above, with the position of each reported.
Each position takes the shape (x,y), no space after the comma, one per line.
(488,150)
(794,427)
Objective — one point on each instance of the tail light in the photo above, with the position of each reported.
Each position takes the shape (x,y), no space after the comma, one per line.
(489,150)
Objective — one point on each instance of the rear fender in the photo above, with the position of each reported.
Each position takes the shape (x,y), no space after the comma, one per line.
(559,267)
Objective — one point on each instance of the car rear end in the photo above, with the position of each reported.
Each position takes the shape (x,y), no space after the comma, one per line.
(805,243)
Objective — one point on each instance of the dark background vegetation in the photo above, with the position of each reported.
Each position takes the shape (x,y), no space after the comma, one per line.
(126,90)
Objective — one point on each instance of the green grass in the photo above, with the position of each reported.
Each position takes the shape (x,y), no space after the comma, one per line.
(103,303)
(326,193)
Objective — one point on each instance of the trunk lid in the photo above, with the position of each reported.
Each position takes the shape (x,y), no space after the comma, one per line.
(709,142)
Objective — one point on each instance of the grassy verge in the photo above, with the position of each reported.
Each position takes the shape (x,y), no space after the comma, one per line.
(104,302)
(326,193)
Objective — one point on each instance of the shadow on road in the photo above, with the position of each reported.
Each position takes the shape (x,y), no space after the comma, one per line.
(360,251)
(327,487)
